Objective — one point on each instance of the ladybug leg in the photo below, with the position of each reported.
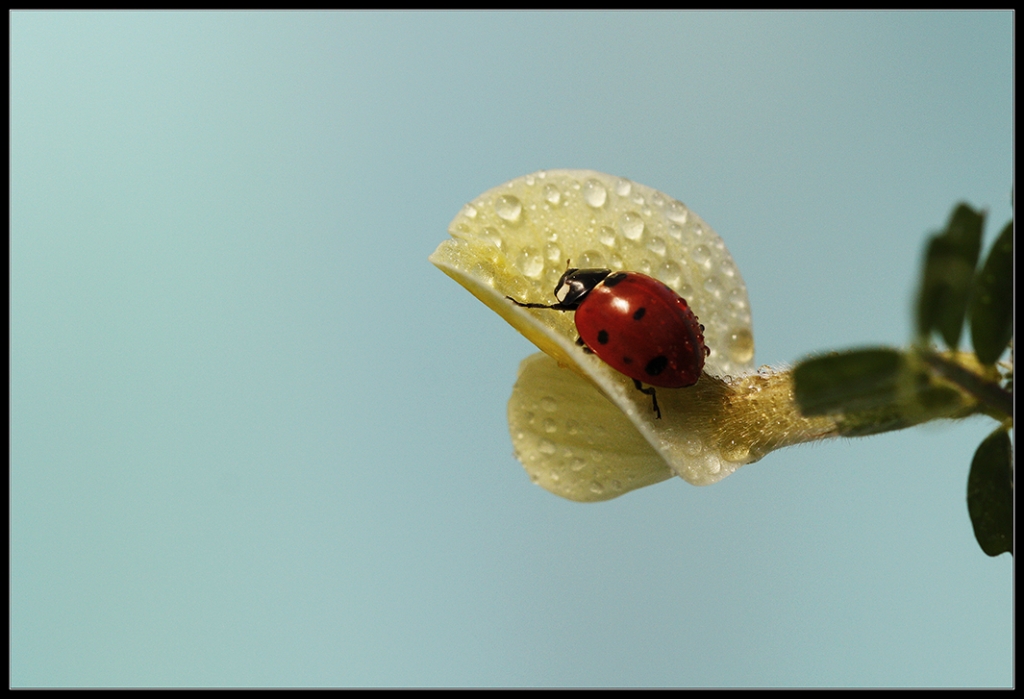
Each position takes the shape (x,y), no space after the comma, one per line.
(553,307)
(581,343)
(650,392)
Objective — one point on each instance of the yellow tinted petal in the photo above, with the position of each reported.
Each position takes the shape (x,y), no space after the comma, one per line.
(516,239)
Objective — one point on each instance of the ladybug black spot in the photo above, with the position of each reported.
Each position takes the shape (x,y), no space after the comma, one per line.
(656,365)
(613,279)
(639,313)
(602,337)
(627,360)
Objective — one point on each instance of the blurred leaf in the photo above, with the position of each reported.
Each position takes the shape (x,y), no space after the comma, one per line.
(839,382)
(990,494)
(949,265)
(981,381)
(875,390)
(992,304)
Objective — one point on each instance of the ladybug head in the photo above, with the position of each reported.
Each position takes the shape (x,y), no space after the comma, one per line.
(575,284)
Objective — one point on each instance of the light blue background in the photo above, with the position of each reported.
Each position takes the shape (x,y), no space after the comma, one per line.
(256,439)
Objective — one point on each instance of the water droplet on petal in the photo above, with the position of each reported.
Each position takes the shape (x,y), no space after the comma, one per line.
(606,235)
(551,194)
(670,273)
(713,286)
(492,236)
(549,404)
(594,193)
(676,211)
(623,187)
(590,259)
(741,346)
(632,225)
(692,446)
(530,262)
(508,208)
(701,255)
(656,245)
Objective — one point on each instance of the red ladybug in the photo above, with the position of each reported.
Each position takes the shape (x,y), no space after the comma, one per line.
(635,324)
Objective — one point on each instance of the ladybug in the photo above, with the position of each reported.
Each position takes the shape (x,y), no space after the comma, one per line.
(635,324)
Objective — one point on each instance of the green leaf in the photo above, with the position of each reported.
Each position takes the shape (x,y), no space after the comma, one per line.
(949,265)
(992,303)
(874,390)
(990,494)
(842,382)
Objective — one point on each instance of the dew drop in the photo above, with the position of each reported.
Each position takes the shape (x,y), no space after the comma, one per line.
(657,246)
(553,252)
(631,225)
(530,262)
(623,187)
(546,446)
(675,230)
(741,346)
(675,211)
(606,235)
(508,208)
(596,487)
(701,255)
(576,464)
(713,286)
(692,446)
(552,195)
(492,236)
(670,273)
(594,193)
(555,476)
(469,210)
(549,404)
(482,273)
(550,426)
(590,259)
